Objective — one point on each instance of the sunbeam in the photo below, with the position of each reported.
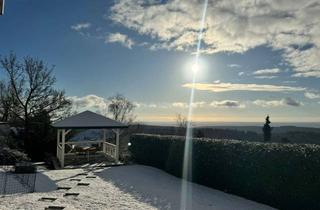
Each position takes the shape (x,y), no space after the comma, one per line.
(186,191)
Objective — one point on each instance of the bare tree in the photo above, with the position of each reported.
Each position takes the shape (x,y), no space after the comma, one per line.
(5,102)
(181,121)
(29,87)
(121,109)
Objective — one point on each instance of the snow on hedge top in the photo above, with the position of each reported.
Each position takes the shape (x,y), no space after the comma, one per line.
(88,119)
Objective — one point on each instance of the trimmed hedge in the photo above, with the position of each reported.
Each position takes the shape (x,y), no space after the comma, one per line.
(285,176)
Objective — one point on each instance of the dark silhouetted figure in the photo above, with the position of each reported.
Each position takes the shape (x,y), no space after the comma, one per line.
(267,130)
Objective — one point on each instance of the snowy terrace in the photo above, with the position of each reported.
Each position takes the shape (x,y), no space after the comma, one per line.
(124,187)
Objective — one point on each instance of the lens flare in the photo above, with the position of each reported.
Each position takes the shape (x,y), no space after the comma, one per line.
(186,190)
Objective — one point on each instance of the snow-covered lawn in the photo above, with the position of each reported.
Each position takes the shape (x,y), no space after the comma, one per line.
(125,187)
(15,185)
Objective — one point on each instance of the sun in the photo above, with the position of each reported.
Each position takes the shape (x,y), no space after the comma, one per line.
(195,67)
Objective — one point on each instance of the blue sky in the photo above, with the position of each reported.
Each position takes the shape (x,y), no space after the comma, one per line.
(256,59)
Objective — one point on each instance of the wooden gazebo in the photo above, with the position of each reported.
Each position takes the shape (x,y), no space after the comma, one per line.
(88,120)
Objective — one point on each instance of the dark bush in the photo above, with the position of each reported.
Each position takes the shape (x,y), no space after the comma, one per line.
(25,168)
(285,176)
(11,156)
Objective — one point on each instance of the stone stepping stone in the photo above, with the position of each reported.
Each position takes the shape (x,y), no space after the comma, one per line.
(91,177)
(71,194)
(54,207)
(83,174)
(77,180)
(64,188)
(83,184)
(47,199)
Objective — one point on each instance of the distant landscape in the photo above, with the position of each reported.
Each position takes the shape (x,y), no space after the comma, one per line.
(245,132)
(242,124)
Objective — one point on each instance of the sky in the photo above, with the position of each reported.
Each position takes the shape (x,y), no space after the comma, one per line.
(257,58)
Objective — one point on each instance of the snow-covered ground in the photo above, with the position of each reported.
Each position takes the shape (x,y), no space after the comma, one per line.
(15,185)
(11,183)
(125,187)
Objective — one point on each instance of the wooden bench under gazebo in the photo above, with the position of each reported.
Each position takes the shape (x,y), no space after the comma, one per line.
(87,120)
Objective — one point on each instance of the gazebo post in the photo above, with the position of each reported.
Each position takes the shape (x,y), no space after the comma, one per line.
(63,147)
(104,141)
(117,144)
(58,142)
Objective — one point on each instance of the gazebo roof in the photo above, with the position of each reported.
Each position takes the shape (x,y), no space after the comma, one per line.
(88,120)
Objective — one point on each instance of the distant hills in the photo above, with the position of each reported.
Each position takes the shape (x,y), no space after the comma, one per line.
(241,124)
(284,134)
(258,129)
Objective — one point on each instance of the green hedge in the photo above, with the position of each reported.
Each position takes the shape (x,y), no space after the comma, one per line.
(285,176)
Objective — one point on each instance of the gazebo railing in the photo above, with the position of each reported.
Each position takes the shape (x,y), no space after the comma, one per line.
(107,148)
(110,149)
(84,142)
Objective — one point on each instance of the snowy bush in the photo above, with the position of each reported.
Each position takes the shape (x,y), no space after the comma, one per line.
(11,156)
(285,176)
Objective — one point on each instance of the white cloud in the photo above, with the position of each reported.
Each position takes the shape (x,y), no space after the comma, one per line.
(137,105)
(307,74)
(227,104)
(167,105)
(266,71)
(265,77)
(152,105)
(289,82)
(241,73)
(90,102)
(231,26)
(233,65)
(291,102)
(81,26)
(120,38)
(100,104)
(197,104)
(224,87)
(145,105)
(312,95)
(276,103)
(264,103)
(180,105)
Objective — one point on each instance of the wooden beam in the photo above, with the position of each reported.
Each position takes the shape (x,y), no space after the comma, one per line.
(117,144)
(104,140)
(58,142)
(63,147)
(84,142)
(107,143)
(68,131)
